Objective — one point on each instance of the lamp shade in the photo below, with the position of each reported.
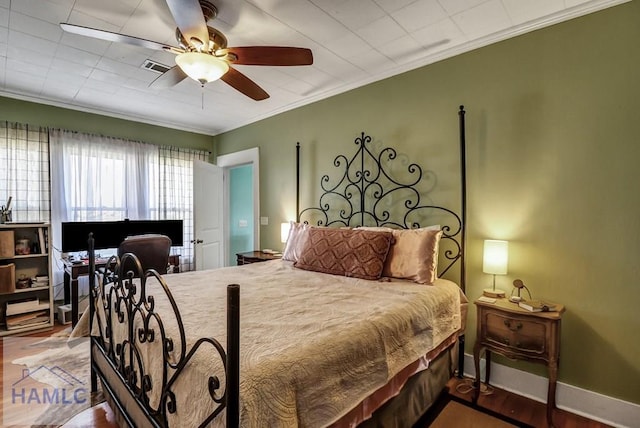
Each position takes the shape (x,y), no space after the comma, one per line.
(496,257)
(284,231)
(202,67)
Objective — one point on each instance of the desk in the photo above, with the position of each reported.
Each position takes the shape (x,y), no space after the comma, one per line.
(73,270)
(71,273)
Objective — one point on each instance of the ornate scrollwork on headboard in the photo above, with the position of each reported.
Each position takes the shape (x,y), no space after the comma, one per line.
(383,190)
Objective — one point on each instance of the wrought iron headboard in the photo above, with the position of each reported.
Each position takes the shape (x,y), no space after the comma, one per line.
(369,193)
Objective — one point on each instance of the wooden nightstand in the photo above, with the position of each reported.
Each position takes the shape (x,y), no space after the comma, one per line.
(255,257)
(507,329)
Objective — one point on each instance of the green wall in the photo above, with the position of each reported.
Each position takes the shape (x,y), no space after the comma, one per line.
(553,119)
(14,110)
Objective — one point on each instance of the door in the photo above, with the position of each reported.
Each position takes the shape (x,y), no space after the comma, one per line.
(208,209)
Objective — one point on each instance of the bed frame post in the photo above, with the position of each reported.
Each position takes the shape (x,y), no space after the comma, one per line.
(463,178)
(92,284)
(298,182)
(233,356)
(463,238)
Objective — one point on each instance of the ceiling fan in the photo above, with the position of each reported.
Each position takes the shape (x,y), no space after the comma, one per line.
(202,52)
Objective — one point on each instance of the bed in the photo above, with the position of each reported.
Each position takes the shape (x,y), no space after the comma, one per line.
(344,331)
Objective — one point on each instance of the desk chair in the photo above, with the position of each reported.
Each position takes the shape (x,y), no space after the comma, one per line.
(151,250)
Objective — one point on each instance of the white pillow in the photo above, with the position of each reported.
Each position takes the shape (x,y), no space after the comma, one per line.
(414,254)
(295,241)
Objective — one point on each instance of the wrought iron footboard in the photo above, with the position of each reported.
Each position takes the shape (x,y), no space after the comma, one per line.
(126,326)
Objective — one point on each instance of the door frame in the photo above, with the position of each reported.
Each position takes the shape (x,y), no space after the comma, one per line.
(226,162)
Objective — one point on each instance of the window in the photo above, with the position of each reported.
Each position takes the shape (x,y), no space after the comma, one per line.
(97,178)
(24,171)
(94,178)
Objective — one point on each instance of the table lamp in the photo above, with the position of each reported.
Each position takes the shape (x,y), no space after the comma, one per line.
(496,258)
(284,232)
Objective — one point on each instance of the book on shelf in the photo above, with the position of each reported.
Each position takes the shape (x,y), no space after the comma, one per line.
(537,305)
(28,319)
(23,306)
(46,240)
(40,281)
(41,241)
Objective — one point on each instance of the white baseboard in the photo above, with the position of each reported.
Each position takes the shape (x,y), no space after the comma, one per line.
(601,408)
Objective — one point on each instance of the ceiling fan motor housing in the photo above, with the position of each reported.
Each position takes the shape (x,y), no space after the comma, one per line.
(216,37)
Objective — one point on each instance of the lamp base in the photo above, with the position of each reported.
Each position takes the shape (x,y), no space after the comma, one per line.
(490,292)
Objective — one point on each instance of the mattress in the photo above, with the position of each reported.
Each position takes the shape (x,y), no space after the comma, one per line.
(312,345)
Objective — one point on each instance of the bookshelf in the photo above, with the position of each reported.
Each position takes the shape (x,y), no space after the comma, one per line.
(26,293)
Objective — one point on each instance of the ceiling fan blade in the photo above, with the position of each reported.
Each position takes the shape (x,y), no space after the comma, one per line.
(115,37)
(269,55)
(169,78)
(190,20)
(243,84)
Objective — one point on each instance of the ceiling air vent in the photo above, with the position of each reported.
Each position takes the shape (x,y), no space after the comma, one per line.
(155,66)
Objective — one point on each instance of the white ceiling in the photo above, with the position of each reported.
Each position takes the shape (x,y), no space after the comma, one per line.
(354,42)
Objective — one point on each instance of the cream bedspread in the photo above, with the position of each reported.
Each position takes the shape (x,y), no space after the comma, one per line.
(312,345)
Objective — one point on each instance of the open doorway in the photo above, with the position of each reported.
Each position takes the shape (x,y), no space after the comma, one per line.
(241,202)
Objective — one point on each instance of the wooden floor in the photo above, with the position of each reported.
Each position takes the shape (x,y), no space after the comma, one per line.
(519,408)
(12,353)
(516,407)
(513,406)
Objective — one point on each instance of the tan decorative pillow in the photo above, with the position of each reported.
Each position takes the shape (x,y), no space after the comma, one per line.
(357,253)
(295,241)
(414,254)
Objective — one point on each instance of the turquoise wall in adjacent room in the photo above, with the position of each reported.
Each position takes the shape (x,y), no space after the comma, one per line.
(240,210)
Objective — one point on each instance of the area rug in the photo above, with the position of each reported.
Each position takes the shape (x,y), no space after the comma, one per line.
(54,386)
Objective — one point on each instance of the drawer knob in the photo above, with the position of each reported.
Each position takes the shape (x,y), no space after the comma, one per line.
(511,327)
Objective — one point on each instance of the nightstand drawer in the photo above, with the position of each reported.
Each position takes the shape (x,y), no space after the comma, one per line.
(519,334)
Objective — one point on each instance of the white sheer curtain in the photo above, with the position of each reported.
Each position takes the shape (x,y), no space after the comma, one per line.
(97,178)
(175,193)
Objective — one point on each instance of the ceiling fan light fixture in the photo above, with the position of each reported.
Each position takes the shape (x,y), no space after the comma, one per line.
(202,67)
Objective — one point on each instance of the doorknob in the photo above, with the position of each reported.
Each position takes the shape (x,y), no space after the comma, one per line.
(197,241)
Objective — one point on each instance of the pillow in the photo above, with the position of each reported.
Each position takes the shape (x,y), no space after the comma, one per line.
(348,252)
(414,254)
(295,241)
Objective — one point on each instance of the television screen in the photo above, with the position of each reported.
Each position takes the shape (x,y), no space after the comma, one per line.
(109,234)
